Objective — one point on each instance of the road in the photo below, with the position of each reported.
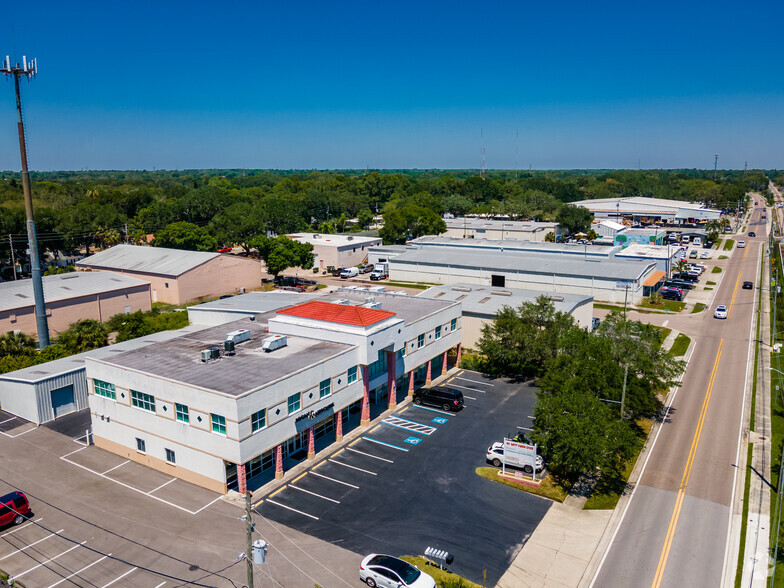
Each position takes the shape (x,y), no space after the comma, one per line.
(675,530)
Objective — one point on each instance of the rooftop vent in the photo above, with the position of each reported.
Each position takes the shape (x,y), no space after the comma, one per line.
(274,342)
(351,237)
(485,299)
(461,289)
(500,293)
(556,298)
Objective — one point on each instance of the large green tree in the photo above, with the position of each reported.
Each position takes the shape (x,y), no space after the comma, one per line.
(281,253)
(409,222)
(183,235)
(574,219)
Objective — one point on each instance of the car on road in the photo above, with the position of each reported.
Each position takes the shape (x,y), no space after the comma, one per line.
(748,285)
(14,508)
(752,234)
(741,244)
(224,249)
(445,398)
(720,312)
(386,571)
(495,456)
(705,255)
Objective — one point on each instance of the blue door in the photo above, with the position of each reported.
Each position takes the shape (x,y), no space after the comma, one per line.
(63,401)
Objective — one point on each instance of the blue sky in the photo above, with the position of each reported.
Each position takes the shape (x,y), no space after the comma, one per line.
(143,85)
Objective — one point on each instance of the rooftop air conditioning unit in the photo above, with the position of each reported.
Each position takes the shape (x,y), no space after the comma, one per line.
(214,352)
(372,305)
(238,336)
(206,355)
(556,298)
(228,347)
(344,301)
(274,342)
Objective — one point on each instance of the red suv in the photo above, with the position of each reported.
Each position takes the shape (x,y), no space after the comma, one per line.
(14,508)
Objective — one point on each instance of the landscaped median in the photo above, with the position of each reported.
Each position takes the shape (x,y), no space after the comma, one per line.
(443,578)
(546,486)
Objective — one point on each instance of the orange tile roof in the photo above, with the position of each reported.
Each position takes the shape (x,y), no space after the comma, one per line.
(654,278)
(338,313)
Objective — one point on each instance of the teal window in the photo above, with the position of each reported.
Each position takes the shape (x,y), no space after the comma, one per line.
(170,456)
(218,424)
(105,389)
(421,340)
(258,420)
(325,388)
(379,366)
(141,445)
(438,332)
(182,413)
(143,401)
(352,374)
(453,324)
(294,402)
(401,353)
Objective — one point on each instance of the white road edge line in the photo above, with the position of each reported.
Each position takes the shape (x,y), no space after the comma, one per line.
(370,455)
(80,571)
(117,466)
(314,494)
(642,471)
(353,467)
(288,508)
(161,486)
(120,577)
(19,528)
(21,549)
(334,480)
(16,576)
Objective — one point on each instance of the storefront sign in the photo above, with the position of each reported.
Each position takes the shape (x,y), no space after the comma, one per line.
(314,413)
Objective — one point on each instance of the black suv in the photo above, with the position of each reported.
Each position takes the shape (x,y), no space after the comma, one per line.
(444,398)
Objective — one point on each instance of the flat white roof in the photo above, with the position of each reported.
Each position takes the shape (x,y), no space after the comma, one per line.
(497,225)
(647,251)
(338,240)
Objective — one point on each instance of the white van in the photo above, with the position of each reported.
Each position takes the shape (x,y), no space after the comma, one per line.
(349,272)
(696,241)
(685,239)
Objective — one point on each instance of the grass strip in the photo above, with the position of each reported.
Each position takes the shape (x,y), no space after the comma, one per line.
(709,283)
(416,285)
(698,307)
(729,244)
(723,257)
(664,304)
(681,345)
(443,578)
(607,306)
(716,269)
(744,517)
(549,488)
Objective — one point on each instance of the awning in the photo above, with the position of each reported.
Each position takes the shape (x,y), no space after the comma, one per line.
(656,277)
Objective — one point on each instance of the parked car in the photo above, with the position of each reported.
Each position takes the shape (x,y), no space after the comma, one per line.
(705,255)
(14,508)
(367,268)
(671,293)
(748,285)
(720,312)
(388,572)
(224,249)
(752,234)
(741,244)
(693,254)
(687,275)
(445,398)
(495,456)
(349,272)
(682,284)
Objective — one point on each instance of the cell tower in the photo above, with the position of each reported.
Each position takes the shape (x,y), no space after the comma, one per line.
(483,173)
(715,165)
(29,70)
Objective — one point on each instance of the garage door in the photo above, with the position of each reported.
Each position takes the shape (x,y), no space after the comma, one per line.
(63,401)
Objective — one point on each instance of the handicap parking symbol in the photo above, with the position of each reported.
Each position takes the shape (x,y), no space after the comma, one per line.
(413,440)
(440,420)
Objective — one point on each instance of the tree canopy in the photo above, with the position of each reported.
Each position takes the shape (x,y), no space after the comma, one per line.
(184,235)
(281,253)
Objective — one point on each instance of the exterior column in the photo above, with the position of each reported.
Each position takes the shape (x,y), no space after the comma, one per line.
(443,364)
(311,443)
(459,354)
(427,377)
(279,462)
(392,378)
(339,426)
(242,481)
(365,418)
(411,383)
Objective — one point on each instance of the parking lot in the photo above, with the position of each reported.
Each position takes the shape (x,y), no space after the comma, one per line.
(409,482)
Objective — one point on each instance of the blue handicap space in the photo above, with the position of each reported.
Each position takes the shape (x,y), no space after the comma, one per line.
(440,420)
(413,440)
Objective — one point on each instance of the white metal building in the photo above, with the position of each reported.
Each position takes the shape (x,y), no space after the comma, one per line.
(477,228)
(482,303)
(642,209)
(342,250)
(225,423)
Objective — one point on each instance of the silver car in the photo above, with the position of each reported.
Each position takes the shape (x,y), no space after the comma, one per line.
(390,572)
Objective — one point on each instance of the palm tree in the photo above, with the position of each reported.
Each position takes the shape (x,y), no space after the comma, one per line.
(17,344)
(84,335)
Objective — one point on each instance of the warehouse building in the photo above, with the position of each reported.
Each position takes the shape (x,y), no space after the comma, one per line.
(481,304)
(337,250)
(640,209)
(70,298)
(177,276)
(477,228)
(575,250)
(225,310)
(228,420)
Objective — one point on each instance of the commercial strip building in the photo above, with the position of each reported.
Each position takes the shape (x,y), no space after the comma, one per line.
(69,298)
(343,250)
(178,276)
(230,422)
(477,228)
(640,209)
(481,304)
(575,250)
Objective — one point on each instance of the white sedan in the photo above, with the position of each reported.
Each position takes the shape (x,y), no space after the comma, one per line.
(720,312)
(705,255)
(741,244)
(390,572)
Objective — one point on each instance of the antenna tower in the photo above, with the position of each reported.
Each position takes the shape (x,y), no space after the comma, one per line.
(715,165)
(517,151)
(483,173)
(28,69)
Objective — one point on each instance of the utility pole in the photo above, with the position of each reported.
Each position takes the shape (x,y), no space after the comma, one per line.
(13,260)
(249,532)
(29,70)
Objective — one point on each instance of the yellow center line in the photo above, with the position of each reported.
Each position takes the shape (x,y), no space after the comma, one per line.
(258,503)
(668,539)
(734,294)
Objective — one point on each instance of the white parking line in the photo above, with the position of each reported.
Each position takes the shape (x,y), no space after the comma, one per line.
(206,505)
(370,455)
(16,576)
(74,451)
(31,544)
(117,466)
(467,388)
(314,494)
(291,509)
(79,572)
(18,434)
(162,485)
(8,420)
(119,577)
(469,397)
(19,528)
(474,381)
(434,410)
(159,585)
(353,467)
(333,480)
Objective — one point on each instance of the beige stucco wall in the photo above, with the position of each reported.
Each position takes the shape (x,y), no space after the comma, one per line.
(344,256)
(62,313)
